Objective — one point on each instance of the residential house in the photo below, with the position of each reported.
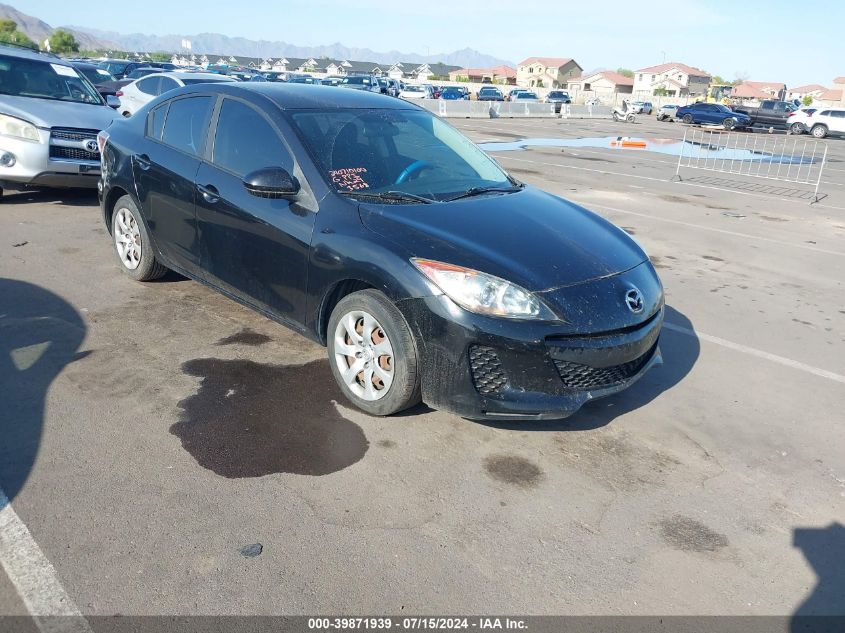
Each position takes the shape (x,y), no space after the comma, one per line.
(547,72)
(495,75)
(759,90)
(811,90)
(672,79)
(604,84)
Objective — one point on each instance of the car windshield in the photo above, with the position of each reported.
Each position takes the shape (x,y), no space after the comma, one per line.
(526,95)
(373,151)
(45,80)
(95,75)
(357,80)
(115,68)
(413,89)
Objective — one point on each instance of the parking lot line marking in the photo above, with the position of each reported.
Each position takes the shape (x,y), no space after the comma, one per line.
(34,577)
(747,236)
(788,362)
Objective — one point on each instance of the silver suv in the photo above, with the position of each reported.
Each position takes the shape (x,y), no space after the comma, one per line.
(50,115)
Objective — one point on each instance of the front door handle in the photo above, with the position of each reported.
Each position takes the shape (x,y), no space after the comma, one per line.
(143,161)
(209,193)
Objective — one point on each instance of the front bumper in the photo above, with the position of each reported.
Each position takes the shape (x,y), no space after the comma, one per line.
(485,368)
(35,167)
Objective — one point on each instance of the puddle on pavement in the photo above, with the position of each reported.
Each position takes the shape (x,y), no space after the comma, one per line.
(672,147)
(249,419)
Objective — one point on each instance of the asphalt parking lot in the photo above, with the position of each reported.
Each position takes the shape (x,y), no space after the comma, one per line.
(171,452)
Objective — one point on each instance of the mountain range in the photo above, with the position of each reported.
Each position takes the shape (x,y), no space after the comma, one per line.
(219,44)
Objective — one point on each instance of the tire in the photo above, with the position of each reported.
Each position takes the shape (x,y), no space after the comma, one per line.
(615,116)
(729,124)
(132,245)
(630,118)
(398,359)
(819,131)
(797,128)
(687,119)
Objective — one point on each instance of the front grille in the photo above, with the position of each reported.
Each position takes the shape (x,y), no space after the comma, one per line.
(73,153)
(73,134)
(487,373)
(580,377)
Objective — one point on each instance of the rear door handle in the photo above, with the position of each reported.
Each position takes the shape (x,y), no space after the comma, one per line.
(143,161)
(209,192)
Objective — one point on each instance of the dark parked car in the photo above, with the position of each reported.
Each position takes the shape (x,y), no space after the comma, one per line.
(369,83)
(120,68)
(374,227)
(770,113)
(713,113)
(559,98)
(453,94)
(490,94)
(96,75)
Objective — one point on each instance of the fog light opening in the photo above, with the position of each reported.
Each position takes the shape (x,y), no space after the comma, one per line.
(7,159)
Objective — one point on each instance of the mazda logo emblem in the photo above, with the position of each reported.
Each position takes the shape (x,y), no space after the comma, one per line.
(634,300)
(91,146)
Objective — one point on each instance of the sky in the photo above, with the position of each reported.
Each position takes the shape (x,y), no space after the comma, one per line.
(775,40)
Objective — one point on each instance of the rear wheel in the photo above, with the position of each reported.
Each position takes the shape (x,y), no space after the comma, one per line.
(819,131)
(372,353)
(687,119)
(797,128)
(615,116)
(132,242)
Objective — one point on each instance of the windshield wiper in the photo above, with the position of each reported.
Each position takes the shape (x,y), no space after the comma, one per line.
(388,195)
(476,191)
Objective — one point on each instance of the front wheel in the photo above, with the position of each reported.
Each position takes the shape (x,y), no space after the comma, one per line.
(729,124)
(372,354)
(819,131)
(687,119)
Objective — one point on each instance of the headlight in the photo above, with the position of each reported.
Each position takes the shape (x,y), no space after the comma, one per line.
(482,293)
(17,128)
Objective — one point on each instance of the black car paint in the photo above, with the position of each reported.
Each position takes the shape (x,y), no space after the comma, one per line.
(289,258)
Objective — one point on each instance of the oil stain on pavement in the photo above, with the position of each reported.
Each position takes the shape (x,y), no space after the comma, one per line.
(250,419)
(245,337)
(690,535)
(513,470)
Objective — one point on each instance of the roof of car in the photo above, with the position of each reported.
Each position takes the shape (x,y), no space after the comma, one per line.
(310,97)
(27,53)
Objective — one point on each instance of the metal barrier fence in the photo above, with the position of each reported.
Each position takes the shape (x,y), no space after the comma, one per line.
(794,159)
(509,109)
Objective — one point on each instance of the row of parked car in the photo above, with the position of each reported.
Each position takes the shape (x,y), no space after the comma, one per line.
(820,122)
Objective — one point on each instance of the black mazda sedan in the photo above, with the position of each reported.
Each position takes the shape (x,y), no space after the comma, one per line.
(377,229)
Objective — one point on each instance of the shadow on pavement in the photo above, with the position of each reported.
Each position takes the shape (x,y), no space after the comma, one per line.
(824,609)
(75,197)
(39,335)
(680,353)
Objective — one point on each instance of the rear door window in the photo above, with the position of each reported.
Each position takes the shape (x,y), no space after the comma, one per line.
(148,86)
(187,123)
(246,141)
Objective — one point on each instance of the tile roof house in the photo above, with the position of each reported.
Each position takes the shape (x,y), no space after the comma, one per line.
(495,74)
(759,90)
(604,83)
(673,78)
(547,72)
(799,92)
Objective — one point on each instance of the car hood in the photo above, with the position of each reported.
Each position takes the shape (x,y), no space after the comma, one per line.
(531,237)
(47,113)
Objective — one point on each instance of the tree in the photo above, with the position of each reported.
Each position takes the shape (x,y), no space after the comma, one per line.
(807,100)
(718,80)
(626,72)
(9,34)
(160,57)
(62,41)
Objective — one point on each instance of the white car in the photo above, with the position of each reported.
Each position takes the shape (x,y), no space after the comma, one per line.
(417,92)
(667,113)
(801,120)
(830,121)
(142,91)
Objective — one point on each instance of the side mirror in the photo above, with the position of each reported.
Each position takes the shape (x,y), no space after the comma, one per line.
(112,101)
(271,182)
